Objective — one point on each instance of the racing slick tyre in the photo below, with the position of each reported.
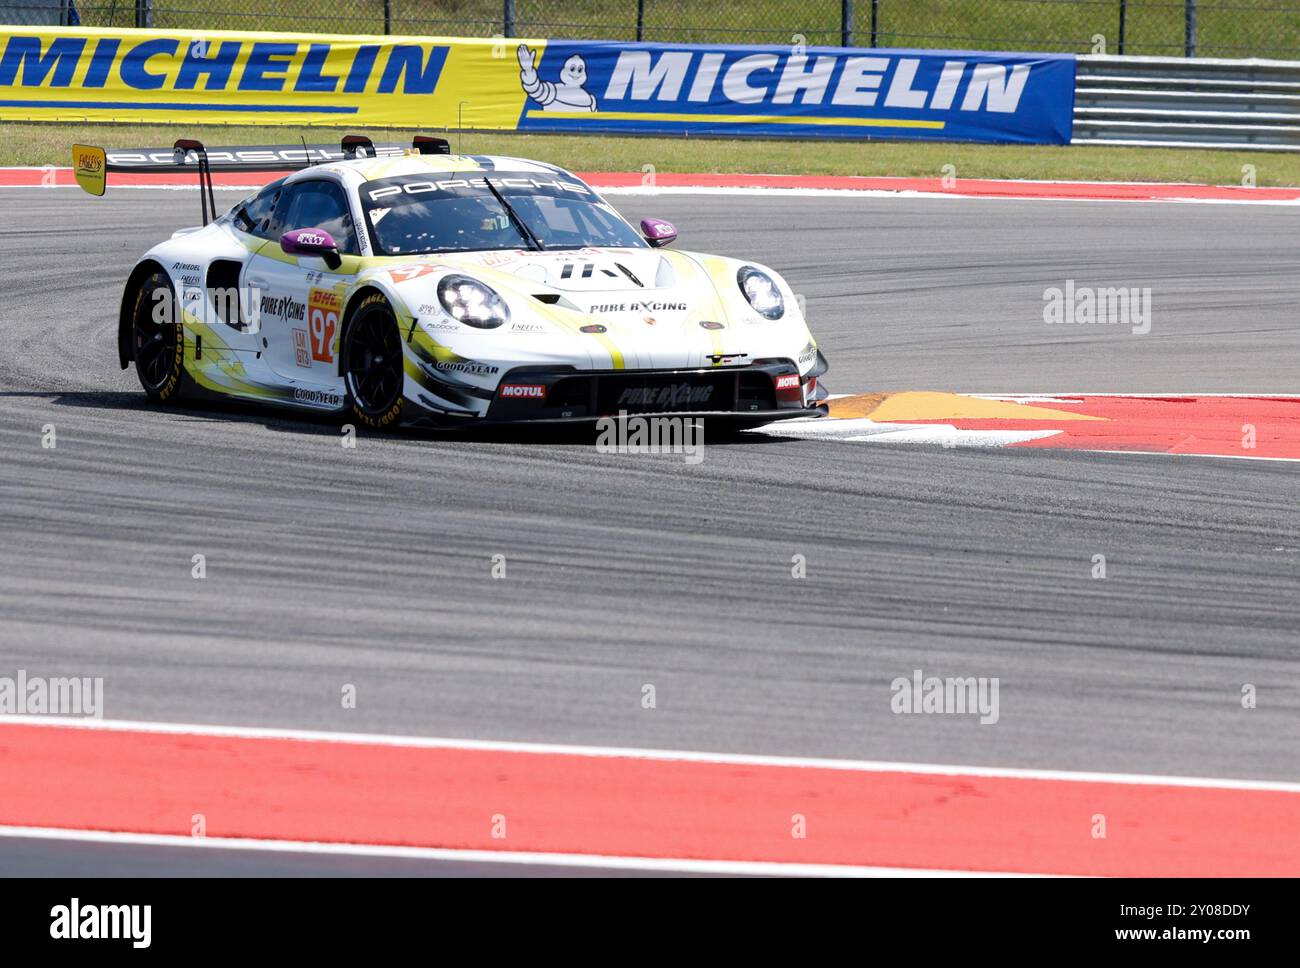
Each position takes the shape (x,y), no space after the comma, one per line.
(158,339)
(373,363)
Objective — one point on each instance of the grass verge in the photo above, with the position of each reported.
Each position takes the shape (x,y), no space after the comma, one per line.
(1228,28)
(48,144)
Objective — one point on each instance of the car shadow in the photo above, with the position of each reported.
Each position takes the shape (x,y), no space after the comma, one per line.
(295,422)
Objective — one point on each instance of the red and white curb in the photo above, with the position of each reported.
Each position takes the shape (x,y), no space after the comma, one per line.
(271,789)
(667,183)
(1264,427)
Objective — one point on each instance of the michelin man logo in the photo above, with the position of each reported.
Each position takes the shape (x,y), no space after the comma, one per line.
(567,95)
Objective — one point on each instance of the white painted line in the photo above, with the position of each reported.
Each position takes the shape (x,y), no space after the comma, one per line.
(603,861)
(1156,395)
(151,188)
(1174,453)
(1086,183)
(1057,398)
(775,192)
(831,427)
(900,194)
(614,752)
(1091,183)
(947,435)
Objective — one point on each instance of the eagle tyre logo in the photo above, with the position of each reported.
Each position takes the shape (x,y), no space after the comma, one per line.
(376,414)
(147,306)
(567,94)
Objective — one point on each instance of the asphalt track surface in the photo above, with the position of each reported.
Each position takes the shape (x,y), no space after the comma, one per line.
(38,857)
(371,566)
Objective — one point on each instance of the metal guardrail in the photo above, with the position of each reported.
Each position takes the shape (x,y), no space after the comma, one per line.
(1188,103)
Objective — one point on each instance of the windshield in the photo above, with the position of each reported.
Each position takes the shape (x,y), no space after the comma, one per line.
(413,214)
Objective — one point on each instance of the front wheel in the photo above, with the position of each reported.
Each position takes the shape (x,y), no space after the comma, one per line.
(373,363)
(158,339)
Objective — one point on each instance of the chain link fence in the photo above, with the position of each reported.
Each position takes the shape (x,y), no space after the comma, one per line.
(1206,28)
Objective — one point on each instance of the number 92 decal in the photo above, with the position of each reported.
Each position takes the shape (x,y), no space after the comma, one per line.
(323,318)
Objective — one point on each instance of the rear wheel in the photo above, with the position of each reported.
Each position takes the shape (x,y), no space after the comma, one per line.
(158,339)
(373,363)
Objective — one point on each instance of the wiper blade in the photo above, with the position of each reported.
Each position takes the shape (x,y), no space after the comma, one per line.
(520,226)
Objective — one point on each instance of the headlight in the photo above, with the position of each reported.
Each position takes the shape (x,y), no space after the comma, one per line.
(761,291)
(472,303)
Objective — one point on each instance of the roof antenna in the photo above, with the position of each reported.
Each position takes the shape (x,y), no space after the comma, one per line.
(306,154)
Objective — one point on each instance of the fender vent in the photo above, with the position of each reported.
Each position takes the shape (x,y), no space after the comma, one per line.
(223,284)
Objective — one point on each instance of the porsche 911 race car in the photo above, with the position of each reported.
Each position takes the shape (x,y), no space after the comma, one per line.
(410,285)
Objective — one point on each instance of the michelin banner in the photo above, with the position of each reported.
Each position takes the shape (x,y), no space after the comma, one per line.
(215,77)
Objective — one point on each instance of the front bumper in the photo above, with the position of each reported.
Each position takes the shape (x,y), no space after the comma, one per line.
(757,393)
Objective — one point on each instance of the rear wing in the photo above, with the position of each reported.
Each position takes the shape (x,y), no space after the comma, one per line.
(91,165)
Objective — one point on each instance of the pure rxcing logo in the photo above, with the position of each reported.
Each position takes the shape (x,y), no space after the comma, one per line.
(674,395)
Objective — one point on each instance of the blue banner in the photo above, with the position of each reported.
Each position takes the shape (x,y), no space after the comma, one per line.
(813,92)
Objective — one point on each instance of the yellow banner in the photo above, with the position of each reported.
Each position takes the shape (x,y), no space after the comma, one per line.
(236,77)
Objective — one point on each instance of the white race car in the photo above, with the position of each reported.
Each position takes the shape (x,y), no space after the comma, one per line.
(411,285)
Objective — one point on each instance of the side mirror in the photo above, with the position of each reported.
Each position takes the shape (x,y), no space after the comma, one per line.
(316,243)
(658,232)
